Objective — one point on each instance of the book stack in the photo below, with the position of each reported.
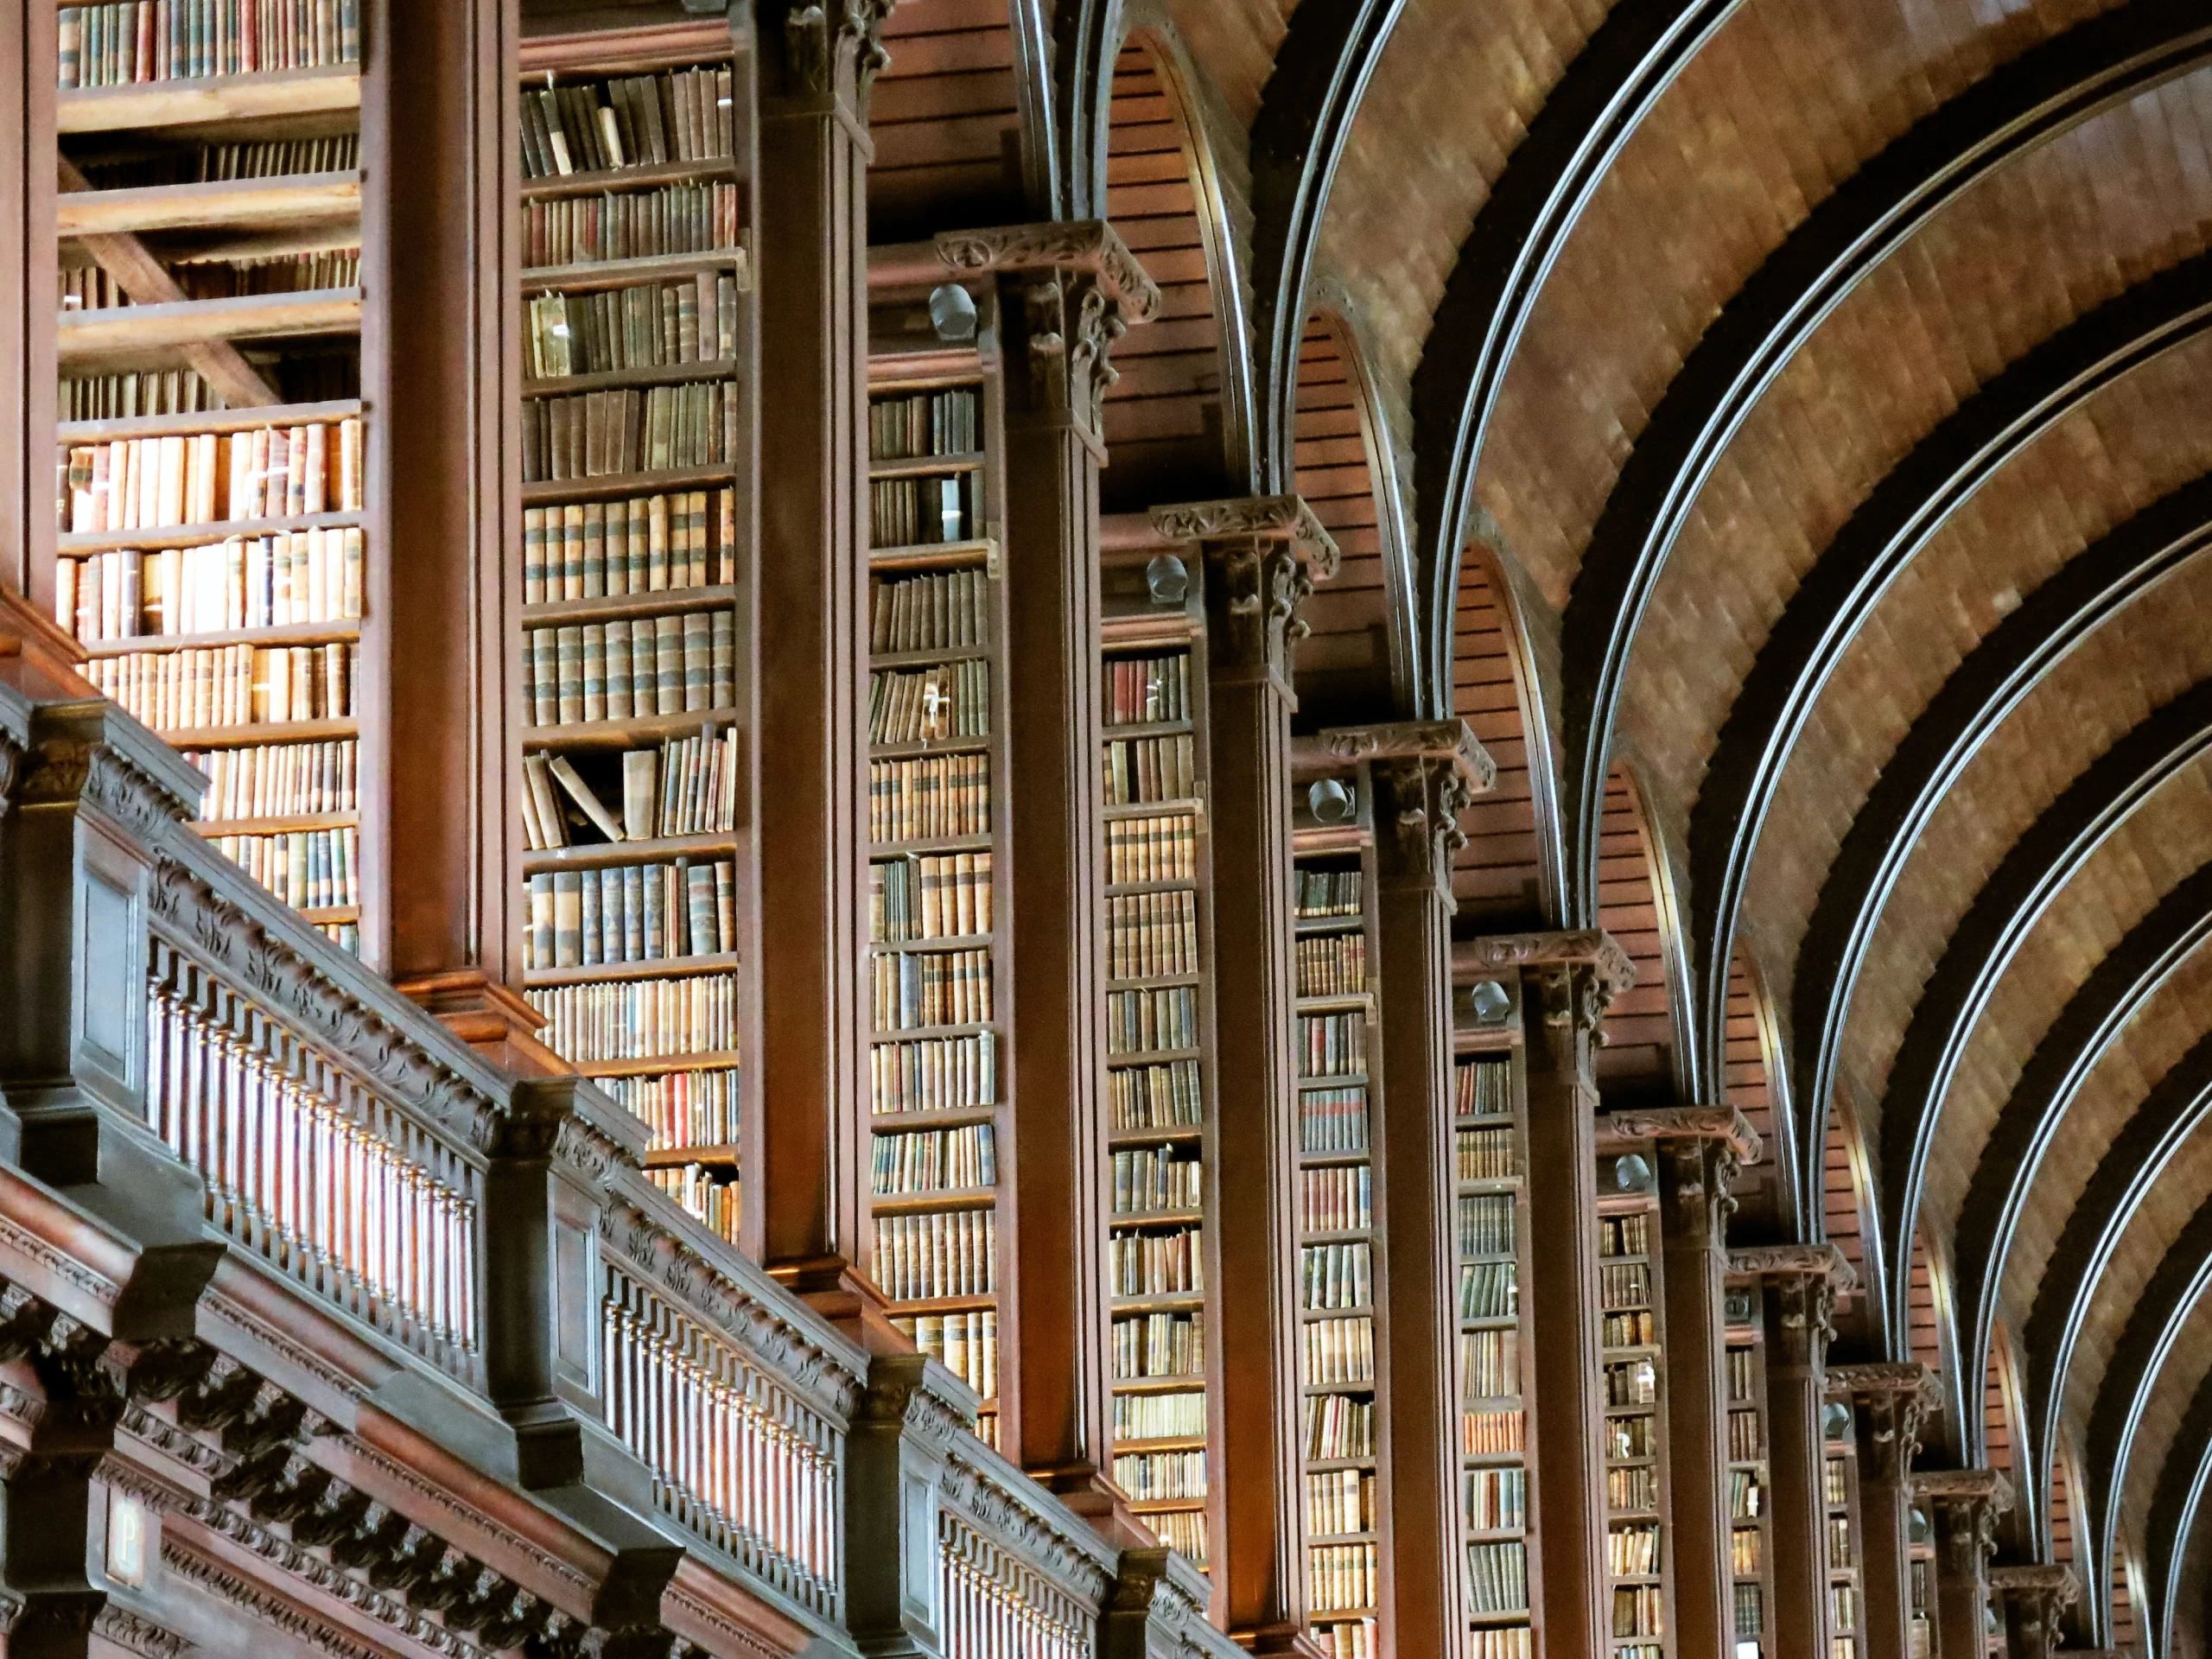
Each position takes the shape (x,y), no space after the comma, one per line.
(935,1160)
(1497,1577)
(1497,1500)
(1156,1180)
(1147,770)
(144,391)
(935,635)
(966,1344)
(634,318)
(1159,1416)
(1332,965)
(1341,1579)
(936,1255)
(1333,1044)
(1335,1199)
(1160,848)
(135,41)
(1634,1448)
(1153,935)
(1149,690)
(1839,1493)
(288,780)
(1745,1355)
(1160,1344)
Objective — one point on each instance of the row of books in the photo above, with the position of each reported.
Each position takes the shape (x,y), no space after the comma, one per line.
(1638,1610)
(1632,1551)
(1337,1351)
(579,436)
(656,911)
(930,704)
(1744,1495)
(1159,1416)
(1746,1443)
(686,787)
(1632,1490)
(904,425)
(938,1254)
(1501,1641)
(1144,1022)
(1157,1477)
(1332,1121)
(1624,1284)
(656,325)
(931,1161)
(1140,690)
(1333,964)
(928,797)
(639,1019)
(1336,1200)
(673,219)
(1145,850)
(1486,1224)
(230,685)
(160,483)
(1835,1487)
(1148,1179)
(1841,1555)
(915,989)
(1352,1638)
(1628,1330)
(131,42)
(678,115)
(1165,1096)
(1486,1155)
(929,896)
(1143,770)
(260,581)
(710,1195)
(1183,1531)
(1341,1576)
(1632,1437)
(1631,1381)
(127,397)
(1335,1276)
(1489,1290)
(1843,1608)
(294,273)
(1489,1363)
(1338,1426)
(1483,1088)
(935,1074)
(966,1344)
(1624,1236)
(1331,1045)
(1742,1374)
(1491,1434)
(310,870)
(921,511)
(637,544)
(940,610)
(1750,1603)
(1149,934)
(278,780)
(1170,1263)
(1158,1344)
(204,164)
(681,1108)
(1316,894)
(1497,1576)
(1496,1499)
(89,287)
(622,670)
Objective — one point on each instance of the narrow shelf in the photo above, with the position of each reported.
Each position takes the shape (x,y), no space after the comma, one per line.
(71,543)
(925,658)
(945,1304)
(910,1034)
(665,601)
(934,555)
(1331,1080)
(590,274)
(251,735)
(640,732)
(668,968)
(953,1118)
(598,854)
(1328,924)
(619,178)
(291,634)
(927,845)
(678,1157)
(331,914)
(1165,1302)
(1182,1382)
(285,199)
(1130,889)
(197,421)
(1153,1057)
(1166,1505)
(1133,729)
(1183,805)
(1154,1217)
(942,941)
(213,828)
(1314,1315)
(657,374)
(87,335)
(922,748)
(944,1197)
(555,491)
(926,465)
(652,1065)
(257,97)
(1339,1002)
(1154,1137)
(1164,1443)
(1151,982)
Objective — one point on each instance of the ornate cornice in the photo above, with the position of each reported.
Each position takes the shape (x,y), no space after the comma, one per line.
(1090,247)
(1895,1399)
(1820,1261)
(1278,518)
(1000,1512)
(135,1634)
(249,1598)
(1963,1487)
(1883,1377)
(1618,1128)
(2052,1581)
(1081,288)
(1452,741)
(1495,953)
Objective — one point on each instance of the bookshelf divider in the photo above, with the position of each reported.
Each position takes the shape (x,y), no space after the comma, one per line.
(1639,1547)
(1840,1498)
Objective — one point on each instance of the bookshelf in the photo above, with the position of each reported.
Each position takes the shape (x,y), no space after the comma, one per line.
(1840,1498)
(1335,946)
(940,1109)
(1490,1134)
(1750,1542)
(1162,1264)
(1638,1554)
(1920,1568)
(214,548)
(636,430)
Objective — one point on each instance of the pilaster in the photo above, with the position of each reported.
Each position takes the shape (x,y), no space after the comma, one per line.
(1568,982)
(2036,1598)
(895,1460)
(1260,557)
(1964,1504)
(1892,1401)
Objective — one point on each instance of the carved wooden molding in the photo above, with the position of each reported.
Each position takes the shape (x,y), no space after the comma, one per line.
(821,35)
(1496,953)
(1963,1487)
(1794,1261)
(1171,1596)
(135,1634)
(1618,1131)
(1013,1513)
(1263,554)
(1894,1399)
(1091,247)
(2041,1580)
(1452,741)
(1284,519)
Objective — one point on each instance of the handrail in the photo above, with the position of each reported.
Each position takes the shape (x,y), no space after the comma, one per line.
(1018,1573)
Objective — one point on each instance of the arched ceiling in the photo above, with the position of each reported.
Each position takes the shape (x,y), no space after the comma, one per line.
(1783,429)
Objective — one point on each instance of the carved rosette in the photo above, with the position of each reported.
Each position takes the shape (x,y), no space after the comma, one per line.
(1894,1401)
(823,38)
(1805,1281)
(1264,554)
(1964,1504)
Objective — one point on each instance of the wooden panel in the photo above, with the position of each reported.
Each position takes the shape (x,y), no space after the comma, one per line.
(2062,1506)
(945,123)
(1234,42)
(1497,876)
(1923,1328)
(1843,1200)
(2027,250)
(1747,1082)
(1638,1055)
(1786,102)
(1997,1435)
(1343,666)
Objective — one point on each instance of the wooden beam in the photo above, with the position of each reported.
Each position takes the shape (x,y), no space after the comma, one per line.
(225,203)
(329,90)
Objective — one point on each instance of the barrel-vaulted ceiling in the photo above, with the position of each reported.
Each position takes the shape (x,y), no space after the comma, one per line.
(1784,429)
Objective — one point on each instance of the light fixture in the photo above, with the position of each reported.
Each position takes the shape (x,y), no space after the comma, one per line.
(1167,579)
(1490,1001)
(952,313)
(1330,801)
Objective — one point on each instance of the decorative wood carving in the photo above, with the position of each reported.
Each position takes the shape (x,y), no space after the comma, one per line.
(821,38)
(1894,1400)
(1495,953)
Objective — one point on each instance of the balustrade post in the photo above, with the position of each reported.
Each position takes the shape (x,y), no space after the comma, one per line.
(1568,980)
(2036,1596)
(1262,556)
(1798,1286)
(1157,1609)
(1965,1505)
(1892,1401)
(895,1479)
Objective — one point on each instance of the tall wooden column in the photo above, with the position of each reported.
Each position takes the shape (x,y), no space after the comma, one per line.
(1890,1402)
(1568,980)
(1798,1286)
(1424,774)
(1964,1504)
(810,1074)
(28,54)
(1260,555)
(2036,1596)
(1066,293)
(1700,1149)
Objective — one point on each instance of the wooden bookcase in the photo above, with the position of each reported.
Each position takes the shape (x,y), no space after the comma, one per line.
(1839,1497)
(1490,1151)
(940,1108)
(635,580)
(1920,1566)
(1342,1289)
(216,550)
(1749,1537)
(1633,1309)
(1162,1264)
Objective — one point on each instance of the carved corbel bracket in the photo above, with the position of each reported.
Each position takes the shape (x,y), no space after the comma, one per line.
(2037,1595)
(1701,1149)
(1426,772)
(1894,1401)
(1805,1281)
(1966,1502)
(1263,554)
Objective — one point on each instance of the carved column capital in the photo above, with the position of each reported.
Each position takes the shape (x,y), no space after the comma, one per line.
(1264,553)
(826,40)
(1701,1150)
(2036,1596)
(1893,1401)
(1426,773)
(1964,1505)
(1804,1280)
